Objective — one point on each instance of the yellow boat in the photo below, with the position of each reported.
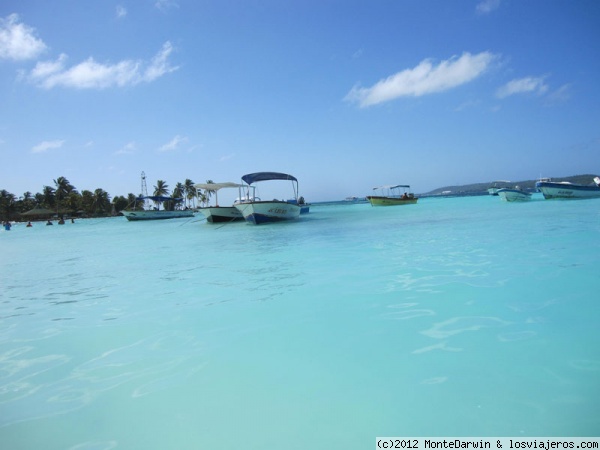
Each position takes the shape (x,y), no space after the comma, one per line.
(392,195)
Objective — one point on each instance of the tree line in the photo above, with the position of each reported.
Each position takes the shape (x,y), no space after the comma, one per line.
(64,199)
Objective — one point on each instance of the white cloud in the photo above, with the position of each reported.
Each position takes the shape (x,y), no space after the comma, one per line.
(562,94)
(523,86)
(121,12)
(160,64)
(357,54)
(487,6)
(17,40)
(90,74)
(424,79)
(47,145)
(225,158)
(165,5)
(173,144)
(127,149)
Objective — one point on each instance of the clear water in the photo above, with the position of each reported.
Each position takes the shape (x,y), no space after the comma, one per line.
(453,317)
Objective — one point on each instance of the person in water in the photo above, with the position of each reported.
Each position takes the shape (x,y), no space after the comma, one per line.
(49,222)
(29,224)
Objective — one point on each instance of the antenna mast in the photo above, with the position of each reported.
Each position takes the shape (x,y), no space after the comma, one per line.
(144,187)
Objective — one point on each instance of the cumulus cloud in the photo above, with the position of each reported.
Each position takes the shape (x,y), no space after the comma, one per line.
(425,78)
(525,85)
(91,74)
(18,41)
(47,145)
(173,144)
(487,6)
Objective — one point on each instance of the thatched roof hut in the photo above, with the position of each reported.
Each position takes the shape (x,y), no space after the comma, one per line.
(38,213)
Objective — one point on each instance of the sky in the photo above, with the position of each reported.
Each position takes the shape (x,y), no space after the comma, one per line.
(345,95)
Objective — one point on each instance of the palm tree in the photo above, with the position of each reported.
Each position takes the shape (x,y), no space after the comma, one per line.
(7,204)
(27,202)
(131,200)
(208,192)
(161,190)
(201,197)
(190,191)
(63,189)
(101,201)
(87,201)
(49,196)
(178,191)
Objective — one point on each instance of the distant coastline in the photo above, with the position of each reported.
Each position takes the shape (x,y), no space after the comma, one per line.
(481,188)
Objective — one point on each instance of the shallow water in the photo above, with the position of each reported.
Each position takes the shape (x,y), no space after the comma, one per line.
(453,317)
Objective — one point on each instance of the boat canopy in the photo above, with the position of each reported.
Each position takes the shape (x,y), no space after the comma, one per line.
(264,176)
(392,186)
(158,198)
(216,186)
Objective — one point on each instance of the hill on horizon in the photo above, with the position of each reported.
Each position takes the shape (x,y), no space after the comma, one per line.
(481,188)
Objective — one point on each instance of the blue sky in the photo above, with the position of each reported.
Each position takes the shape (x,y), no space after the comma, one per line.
(345,95)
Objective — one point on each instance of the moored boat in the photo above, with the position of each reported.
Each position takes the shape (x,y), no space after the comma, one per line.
(515,194)
(497,185)
(392,195)
(566,190)
(217,213)
(142,211)
(156,213)
(257,211)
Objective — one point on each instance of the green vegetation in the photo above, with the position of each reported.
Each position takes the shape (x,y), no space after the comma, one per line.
(481,188)
(64,200)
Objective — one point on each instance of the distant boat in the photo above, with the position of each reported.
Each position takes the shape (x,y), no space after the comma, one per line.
(564,189)
(155,213)
(515,194)
(173,210)
(219,213)
(496,186)
(257,211)
(392,195)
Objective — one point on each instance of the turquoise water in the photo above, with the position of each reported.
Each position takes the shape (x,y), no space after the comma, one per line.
(453,317)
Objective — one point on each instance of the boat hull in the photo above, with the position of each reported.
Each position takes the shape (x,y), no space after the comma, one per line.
(217,214)
(157,215)
(514,195)
(267,212)
(552,190)
(376,200)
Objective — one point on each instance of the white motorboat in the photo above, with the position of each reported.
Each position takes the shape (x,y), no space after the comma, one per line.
(257,211)
(219,213)
(496,186)
(564,189)
(515,194)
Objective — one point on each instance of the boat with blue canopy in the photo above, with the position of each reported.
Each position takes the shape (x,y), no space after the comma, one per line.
(171,209)
(257,211)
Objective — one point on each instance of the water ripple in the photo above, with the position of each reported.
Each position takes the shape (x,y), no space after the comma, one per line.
(442,330)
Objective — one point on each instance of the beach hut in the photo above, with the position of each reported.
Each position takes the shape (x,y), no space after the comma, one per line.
(38,213)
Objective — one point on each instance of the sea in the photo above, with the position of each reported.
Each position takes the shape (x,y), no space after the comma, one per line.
(452,317)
